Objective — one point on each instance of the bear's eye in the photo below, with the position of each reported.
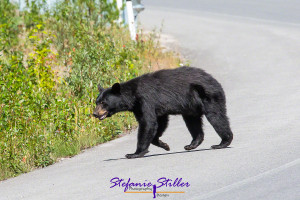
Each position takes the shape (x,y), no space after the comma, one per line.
(103,103)
(100,103)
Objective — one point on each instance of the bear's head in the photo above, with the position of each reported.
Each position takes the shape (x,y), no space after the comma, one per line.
(108,102)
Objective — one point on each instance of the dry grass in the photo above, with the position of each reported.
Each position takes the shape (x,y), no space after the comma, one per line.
(158,54)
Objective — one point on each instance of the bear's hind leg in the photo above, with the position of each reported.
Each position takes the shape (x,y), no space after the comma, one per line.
(215,113)
(162,125)
(194,125)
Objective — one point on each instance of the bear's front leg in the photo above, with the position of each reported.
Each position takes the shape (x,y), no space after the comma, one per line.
(146,133)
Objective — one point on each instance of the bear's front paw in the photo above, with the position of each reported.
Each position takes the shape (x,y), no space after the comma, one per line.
(131,156)
(189,147)
(135,155)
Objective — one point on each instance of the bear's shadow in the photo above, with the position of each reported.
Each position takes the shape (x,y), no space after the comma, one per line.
(165,154)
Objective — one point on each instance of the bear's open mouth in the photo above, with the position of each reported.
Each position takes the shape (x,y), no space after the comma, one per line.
(101,117)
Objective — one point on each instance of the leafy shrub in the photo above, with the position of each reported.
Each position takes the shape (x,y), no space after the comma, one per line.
(8,25)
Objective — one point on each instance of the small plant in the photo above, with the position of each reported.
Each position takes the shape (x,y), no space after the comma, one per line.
(39,62)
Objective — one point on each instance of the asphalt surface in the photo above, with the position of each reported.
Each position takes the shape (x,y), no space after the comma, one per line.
(253,50)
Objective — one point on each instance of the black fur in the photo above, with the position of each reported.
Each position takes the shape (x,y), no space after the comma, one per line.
(152,97)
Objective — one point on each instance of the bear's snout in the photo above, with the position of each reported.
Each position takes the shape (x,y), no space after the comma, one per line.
(100,113)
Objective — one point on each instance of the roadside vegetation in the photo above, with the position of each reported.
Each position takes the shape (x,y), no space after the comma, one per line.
(51,61)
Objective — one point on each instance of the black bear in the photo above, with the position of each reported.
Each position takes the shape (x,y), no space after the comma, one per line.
(152,97)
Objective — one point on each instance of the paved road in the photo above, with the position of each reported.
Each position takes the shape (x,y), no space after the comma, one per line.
(278,10)
(257,60)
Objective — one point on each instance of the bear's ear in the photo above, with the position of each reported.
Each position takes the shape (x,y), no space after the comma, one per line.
(116,88)
(100,88)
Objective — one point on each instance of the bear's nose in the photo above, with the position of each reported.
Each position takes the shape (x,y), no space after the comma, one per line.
(95,115)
